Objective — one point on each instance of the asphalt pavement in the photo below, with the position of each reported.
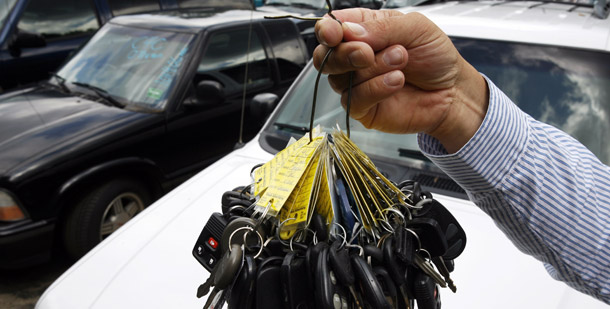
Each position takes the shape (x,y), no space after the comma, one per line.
(20,289)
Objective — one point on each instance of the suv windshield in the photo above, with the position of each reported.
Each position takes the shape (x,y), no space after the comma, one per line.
(567,88)
(5,8)
(316,4)
(133,65)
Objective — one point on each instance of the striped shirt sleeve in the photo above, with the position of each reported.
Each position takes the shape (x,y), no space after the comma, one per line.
(547,192)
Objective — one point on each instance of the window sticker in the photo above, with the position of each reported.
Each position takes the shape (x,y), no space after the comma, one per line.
(154,93)
(147,47)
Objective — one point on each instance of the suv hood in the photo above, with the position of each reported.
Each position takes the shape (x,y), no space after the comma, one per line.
(148,262)
(38,120)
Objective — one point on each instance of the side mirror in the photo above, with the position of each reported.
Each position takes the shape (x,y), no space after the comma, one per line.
(209,92)
(262,105)
(26,39)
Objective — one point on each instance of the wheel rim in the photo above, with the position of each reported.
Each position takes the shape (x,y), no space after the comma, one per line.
(120,210)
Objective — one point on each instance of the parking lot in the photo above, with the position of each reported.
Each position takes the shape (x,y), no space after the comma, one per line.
(20,289)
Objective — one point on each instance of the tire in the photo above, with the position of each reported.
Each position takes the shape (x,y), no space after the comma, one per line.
(101,212)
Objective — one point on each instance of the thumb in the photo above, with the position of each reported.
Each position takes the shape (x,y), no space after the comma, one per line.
(410,30)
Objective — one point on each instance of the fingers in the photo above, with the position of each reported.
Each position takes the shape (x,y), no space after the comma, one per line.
(392,58)
(346,57)
(330,33)
(367,94)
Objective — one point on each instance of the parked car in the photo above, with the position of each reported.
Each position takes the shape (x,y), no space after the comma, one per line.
(149,101)
(36,36)
(551,58)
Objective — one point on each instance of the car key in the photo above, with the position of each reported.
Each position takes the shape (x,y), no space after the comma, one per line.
(269,284)
(341,266)
(430,234)
(426,292)
(396,270)
(328,295)
(224,274)
(387,286)
(453,232)
(295,283)
(442,268)
(207,247)
(371,290)
(425,266)
(235,230)
(242,292)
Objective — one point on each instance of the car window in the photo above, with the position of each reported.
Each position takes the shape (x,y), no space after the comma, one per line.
(186,4)
(136,65)
(226,55)
(286,48)
(565,87)
(122,7)
(59,18)
(5,8)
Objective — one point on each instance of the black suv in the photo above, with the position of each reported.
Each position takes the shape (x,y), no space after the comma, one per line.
(37,35)
(147,102)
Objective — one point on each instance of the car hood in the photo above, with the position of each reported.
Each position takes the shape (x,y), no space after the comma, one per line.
(38,121)
(148,262)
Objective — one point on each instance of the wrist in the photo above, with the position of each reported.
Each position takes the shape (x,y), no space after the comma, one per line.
(467,111)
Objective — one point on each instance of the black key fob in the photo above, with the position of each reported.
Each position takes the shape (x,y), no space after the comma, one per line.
(242,293)
(269,284)
(207,250)
(295,282)
(369,286)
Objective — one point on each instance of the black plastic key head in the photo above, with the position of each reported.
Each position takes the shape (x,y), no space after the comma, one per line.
(430,235)
(370,288)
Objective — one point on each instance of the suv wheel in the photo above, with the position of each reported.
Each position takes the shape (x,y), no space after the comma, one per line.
(101,212)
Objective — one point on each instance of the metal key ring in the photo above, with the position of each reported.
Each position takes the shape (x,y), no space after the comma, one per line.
(315,238)
(250,229)
(344,234)
(396,212)
(278,232)
(416,237)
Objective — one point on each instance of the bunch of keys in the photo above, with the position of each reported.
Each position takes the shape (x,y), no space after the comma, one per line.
(322,265)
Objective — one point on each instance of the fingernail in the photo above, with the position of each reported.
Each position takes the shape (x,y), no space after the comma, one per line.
(393,79)
(320,38)
(357,58)
(356,29)
(393,57)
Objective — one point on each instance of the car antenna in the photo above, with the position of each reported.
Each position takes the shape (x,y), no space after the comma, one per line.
(240,141)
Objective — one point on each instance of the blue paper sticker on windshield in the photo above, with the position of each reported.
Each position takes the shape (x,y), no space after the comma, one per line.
(147,47)
(170,69)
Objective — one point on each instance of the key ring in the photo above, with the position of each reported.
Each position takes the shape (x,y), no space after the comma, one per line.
(250,230)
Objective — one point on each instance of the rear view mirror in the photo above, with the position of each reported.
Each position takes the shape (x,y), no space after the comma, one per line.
(262,105)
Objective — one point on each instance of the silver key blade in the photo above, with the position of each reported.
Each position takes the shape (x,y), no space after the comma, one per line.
(427,268)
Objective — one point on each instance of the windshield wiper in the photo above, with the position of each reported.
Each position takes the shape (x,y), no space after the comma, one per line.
(61,82)
(101,93)
(291,127)
(410,153)
(304,5)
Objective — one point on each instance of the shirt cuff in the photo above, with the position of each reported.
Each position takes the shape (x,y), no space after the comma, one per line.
(491,153)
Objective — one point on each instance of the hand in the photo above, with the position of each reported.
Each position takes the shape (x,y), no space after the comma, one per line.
(408,75)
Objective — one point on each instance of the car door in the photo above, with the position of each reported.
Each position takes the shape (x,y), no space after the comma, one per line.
(63,24)
(202,132)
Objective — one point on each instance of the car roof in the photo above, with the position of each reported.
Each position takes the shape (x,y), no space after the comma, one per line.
(190,21)
(537,22)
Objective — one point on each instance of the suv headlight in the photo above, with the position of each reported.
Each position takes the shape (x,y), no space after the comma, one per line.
(9,208)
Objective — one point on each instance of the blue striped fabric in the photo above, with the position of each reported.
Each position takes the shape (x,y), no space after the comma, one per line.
(546,191)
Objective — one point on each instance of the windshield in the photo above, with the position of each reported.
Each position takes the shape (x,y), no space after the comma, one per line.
(5,8)
(567,88)
(392,4)
(319,4)
(133,65)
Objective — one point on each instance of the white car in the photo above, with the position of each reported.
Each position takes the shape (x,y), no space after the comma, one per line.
(552,59)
